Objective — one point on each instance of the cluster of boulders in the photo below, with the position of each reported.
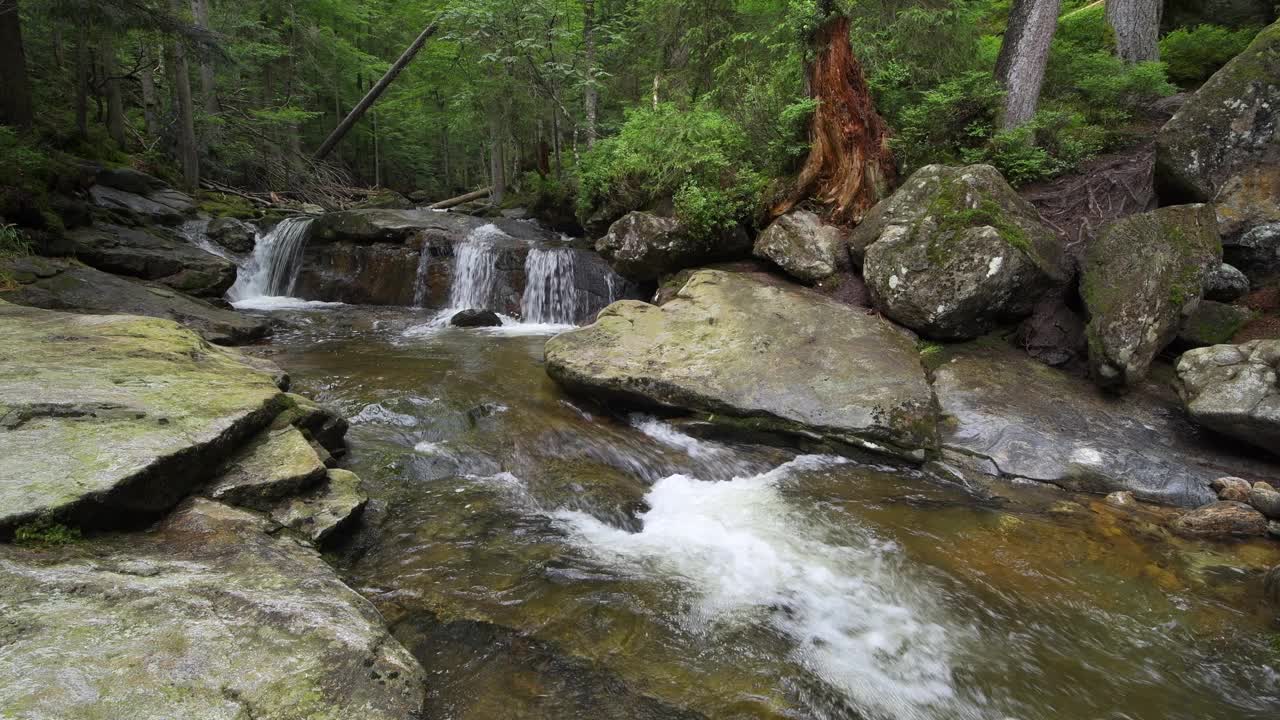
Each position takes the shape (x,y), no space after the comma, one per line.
(1242,510)
(952,256)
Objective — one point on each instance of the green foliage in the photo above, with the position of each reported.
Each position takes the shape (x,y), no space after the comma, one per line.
(45,532)
(698,158)
(1192,55)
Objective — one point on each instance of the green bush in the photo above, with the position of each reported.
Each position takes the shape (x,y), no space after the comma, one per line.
(1191,55)
(698,158)
(44,532)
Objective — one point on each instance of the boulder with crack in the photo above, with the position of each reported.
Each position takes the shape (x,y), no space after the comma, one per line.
(1232,389)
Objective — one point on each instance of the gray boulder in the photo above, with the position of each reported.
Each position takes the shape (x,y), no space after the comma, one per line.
(327,509)
(235,235)
(1232,389)
(1264,498)
(955,252)
(802,245)
(153,254)
(277,464)
(139,197)
(1223,146)
(643,246)
(756,354)
(1256,252)
(61,284)
(1006,415)
(106,418)
(209,616)
(1142,276)
(1226,283)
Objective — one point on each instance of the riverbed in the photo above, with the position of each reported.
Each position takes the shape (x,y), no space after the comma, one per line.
(544,557)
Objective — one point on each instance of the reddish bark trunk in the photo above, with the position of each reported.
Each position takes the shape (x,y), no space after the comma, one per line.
(850,167)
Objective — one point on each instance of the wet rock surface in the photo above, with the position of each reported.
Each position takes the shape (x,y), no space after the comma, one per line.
(234,235)
(475,318)
(326,509)
(1142,276)
(138,197)
(208,616)
(862,385)
(153,254)
(803,246)
(278,463)
(1223,146)
(1222,519)
(956,252)
(1007,415)
(1232,389)
(61,284)
(139,411)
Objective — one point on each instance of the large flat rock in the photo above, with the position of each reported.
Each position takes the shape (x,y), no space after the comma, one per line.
(743,347)
(1007,415)
(62,284)
(106,418)
(207,617)
(153,254)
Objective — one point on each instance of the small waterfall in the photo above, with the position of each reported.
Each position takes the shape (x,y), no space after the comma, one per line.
(475,270)
(550,294)
(277,258)
(420,280)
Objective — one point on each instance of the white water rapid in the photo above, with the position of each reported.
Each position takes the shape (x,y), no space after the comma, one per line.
(272,271)
(550,295)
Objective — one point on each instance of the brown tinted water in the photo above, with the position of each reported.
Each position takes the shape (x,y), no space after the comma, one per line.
(546,560)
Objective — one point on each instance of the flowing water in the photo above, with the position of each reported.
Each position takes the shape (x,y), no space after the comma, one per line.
(550,295)
(475,272)
(547,560)
(272,271)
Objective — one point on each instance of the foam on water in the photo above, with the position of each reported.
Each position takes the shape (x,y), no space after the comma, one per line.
(273,302)
(272,271)
(550,293)
(853,617)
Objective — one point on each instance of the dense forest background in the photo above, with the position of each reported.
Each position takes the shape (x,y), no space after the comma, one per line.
(577,104)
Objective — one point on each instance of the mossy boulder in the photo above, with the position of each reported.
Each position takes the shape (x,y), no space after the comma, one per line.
(643,246)
(1232,389)
(153,254)
(1142,277)
(209,616)
(1223,146)
(758,355)
(109,419)
(955,252)
(803,246)
(325,510)
(276,464)
(1212,323)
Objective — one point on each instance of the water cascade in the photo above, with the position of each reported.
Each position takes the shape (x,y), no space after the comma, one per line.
(420,279)
(475,271)
(277,259)
(550,295)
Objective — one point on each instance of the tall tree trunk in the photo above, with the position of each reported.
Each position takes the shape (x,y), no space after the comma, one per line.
(115,99)
(1024,53)
(208,88)
(590,92)
(82,79)
(1137,28)
(850,167)
(150,102)
(374,93)
(15,88)
(180,72)
(497,165)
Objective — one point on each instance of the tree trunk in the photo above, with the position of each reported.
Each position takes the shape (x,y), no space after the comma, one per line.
(208,88)
(15,88)
(1137,28)
(115,99)
(374,93)
(188,150)
(590,92)
(1024,53)
(82,80)
(850,167)
(150,103)
(497,164)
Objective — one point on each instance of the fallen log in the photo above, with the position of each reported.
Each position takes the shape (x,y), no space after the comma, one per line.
(452,202)
(219,187)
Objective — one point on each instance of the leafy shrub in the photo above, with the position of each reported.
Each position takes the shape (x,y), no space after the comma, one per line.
(955,117)
(1193,54)
(43,531)
(698,158)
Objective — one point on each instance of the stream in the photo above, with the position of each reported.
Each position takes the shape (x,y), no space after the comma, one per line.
(544,559)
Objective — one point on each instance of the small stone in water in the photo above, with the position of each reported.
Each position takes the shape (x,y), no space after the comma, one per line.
(1121,498)
(475,318)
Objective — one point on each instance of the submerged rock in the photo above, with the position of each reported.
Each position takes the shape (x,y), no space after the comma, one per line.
(209,616)
(1142,276)
(802,245)
(759,355)
(1222,519)
(105,418)
(955,252)
(643,247)
(475,318)
(1005,414)
(1232,389)
(1223,146)
(61,284)
(153,254)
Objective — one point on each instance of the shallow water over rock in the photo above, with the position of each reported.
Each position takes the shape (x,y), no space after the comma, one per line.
(545,559)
